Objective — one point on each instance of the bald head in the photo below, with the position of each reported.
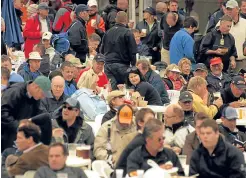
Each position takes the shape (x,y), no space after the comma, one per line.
(161,7)
(173,114)
(57,86)
(121,17)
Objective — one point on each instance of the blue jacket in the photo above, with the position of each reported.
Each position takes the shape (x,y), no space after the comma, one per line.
(70,88)
(27,74)
(181,46)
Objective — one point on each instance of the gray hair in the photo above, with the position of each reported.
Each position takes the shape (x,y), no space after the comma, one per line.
(152,126)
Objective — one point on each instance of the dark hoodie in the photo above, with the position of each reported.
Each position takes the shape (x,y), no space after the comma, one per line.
(109,15)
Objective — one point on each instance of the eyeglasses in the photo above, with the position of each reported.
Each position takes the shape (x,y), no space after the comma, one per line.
(132,69)
(70,108)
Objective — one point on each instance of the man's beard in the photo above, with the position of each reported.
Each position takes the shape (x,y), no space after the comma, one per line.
(92,15)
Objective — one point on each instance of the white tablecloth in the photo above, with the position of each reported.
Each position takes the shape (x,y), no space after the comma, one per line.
(156,109)
(78,162)
(91,174)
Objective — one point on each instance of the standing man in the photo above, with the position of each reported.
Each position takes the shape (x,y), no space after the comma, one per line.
(35,27)
(21,101)
(150,36)
(181,45)
(77,35)
(220,43)
(161,9)
(119,47)
(215,157)
(95,24)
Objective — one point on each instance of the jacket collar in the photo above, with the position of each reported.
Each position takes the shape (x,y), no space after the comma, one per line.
(228,130)
(219,148)
(120,24)
(61,97)
(81,20)
(148,75)
(176,126)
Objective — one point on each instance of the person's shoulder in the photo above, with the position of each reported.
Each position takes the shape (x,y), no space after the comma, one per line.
(136,152)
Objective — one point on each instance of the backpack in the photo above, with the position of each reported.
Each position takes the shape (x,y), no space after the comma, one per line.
(90,104)
(60,41)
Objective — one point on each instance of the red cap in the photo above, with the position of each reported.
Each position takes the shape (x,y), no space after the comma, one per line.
(215,60)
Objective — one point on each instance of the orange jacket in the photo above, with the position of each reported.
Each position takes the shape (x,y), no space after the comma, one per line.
(90,29)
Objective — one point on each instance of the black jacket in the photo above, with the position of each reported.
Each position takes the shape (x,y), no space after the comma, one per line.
(167,32)
(51,104)
(231,136)
(189,117)
(77,37)
(224,162)
(243,15)
(214,19)
(15,106)
(212,42)
(149,92)
(215,84)
(119,45)
(108,116)
(138,159)
(155,80)
(45,65)
(152,39)
(136,142)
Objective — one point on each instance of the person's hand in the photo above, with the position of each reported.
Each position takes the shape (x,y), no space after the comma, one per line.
(131,24)
(240,147)
(233,63)
(176,149)
(155,49)
(218,102)
(57,132)
(94,25)
(235,104)
(98,90)
(219,52)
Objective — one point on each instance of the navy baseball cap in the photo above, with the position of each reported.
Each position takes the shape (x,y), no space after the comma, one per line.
(81,8)
(239,82)
(200,66)
(100,58)
(150,10)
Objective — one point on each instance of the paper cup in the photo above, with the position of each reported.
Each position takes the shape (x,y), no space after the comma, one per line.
(144,30)
(119,173)
(92,21)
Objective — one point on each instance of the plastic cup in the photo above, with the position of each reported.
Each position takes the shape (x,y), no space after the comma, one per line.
(119,173)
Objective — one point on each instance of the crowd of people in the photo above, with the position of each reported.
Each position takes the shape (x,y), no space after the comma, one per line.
(75,56)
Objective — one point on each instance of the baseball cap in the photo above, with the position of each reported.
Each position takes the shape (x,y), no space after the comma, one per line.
(43,6)
(100,58)
(114,94)
(76,62)
(215,60)
(200,66)
(92,3)
(230,113)
(34,55)
(81,8)
(150,10)
(44,83)
(125,115)
(72,102)
(231,4)
(46,36)
(239,82)
(185,96)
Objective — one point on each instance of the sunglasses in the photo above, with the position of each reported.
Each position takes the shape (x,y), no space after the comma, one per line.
(131,69)
(70,108)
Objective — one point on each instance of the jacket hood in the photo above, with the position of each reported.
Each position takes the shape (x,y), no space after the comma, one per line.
(110,8)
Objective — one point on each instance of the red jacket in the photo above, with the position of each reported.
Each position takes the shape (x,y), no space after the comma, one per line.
(63,19)
(101,25)
(103,80)
(32,33)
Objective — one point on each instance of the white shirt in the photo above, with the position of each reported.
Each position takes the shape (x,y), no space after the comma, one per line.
(44,25)
(31,148)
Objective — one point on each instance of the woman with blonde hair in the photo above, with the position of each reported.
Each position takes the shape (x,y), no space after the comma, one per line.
(185,68)
(172,78)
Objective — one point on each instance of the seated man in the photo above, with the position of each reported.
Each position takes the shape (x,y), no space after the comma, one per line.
(192,140)
(67,69)
(214,157)
(186,103)
(197,86)
(228,128)
(35,154)
(5,74)
(57,164)
(78,67)
(14,77)
(176,128)
(201,70)
(114,135)
(57,88)
(69,125)
(217,79)
(141,118)
(154,79)
(93,77)
(152,149)
(31,68)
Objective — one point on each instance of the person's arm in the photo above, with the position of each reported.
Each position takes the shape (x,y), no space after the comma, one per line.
(19,168)
(132,48)
(28,33)
(187,149)
(133,161)
(58,22)
(188,45)
(207,43)
(40,173)
(236,161)
(77,39)
(194,162)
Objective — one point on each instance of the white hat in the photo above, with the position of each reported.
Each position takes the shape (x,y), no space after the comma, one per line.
(231,4)
(175,69)
(92,3)
(35,56)
(46,36)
